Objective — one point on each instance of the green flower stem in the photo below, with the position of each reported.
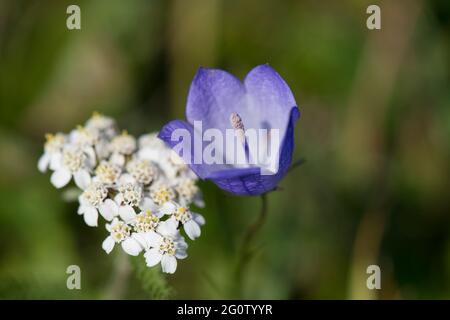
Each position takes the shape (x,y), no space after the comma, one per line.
(119,278)
(246,250)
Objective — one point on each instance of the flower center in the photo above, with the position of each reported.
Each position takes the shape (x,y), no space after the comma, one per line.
(162,195)
(120,231)
(85,136)
(142,170)
(187,189)
(177,161)
(146,221)
(95,194)
(123,144)
(54,142)
(73,159)
(182,214)
(107,172)
(167,246)
(131,193)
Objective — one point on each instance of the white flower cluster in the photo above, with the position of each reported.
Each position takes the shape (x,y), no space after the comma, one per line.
(141,187)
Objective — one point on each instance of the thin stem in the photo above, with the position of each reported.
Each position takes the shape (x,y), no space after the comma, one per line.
(119,278)
(246,252)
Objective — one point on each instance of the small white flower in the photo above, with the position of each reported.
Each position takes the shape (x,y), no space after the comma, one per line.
(105,126)
(151,141)
(105,129)
(143,171)
(146,221)
(161,193)
(165,246)
(86,140)
(120,233)
(188,192)
(108,173)
(90,201)
(153,149)
(191,221)
(175,165)
(102,149)
(73,162)
(134,185)
(82,136)
(52,151)
(122,146)
(130,195)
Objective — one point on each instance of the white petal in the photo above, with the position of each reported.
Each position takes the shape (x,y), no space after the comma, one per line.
(172,224)
(140,238)
(82,179)
(82,200)
(102,150)
(199,202)
(148,204)
(168,169)
(118,198)
(152,257)
(192,229)
(168,208)
(43,162)
(91,216)
(127,213)
(148,239)
(198,218)
(81,209)
(126,178)
(73,135)
(181,254)
(149,154)
(168,263)
(109,209)
(153,239)
(118,159)
(108,244)
(56,161)
(167,228)
(91,159)
(131,246)
(181,244)
(60,178)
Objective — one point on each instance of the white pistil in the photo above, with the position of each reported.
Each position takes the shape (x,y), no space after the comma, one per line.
(238,125)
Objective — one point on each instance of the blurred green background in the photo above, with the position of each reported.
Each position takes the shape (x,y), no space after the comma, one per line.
(375,131)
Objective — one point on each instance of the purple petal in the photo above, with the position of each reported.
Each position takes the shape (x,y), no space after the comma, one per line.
(268,96)
(245,182)
(264,100)
(214,94)
(201,170)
